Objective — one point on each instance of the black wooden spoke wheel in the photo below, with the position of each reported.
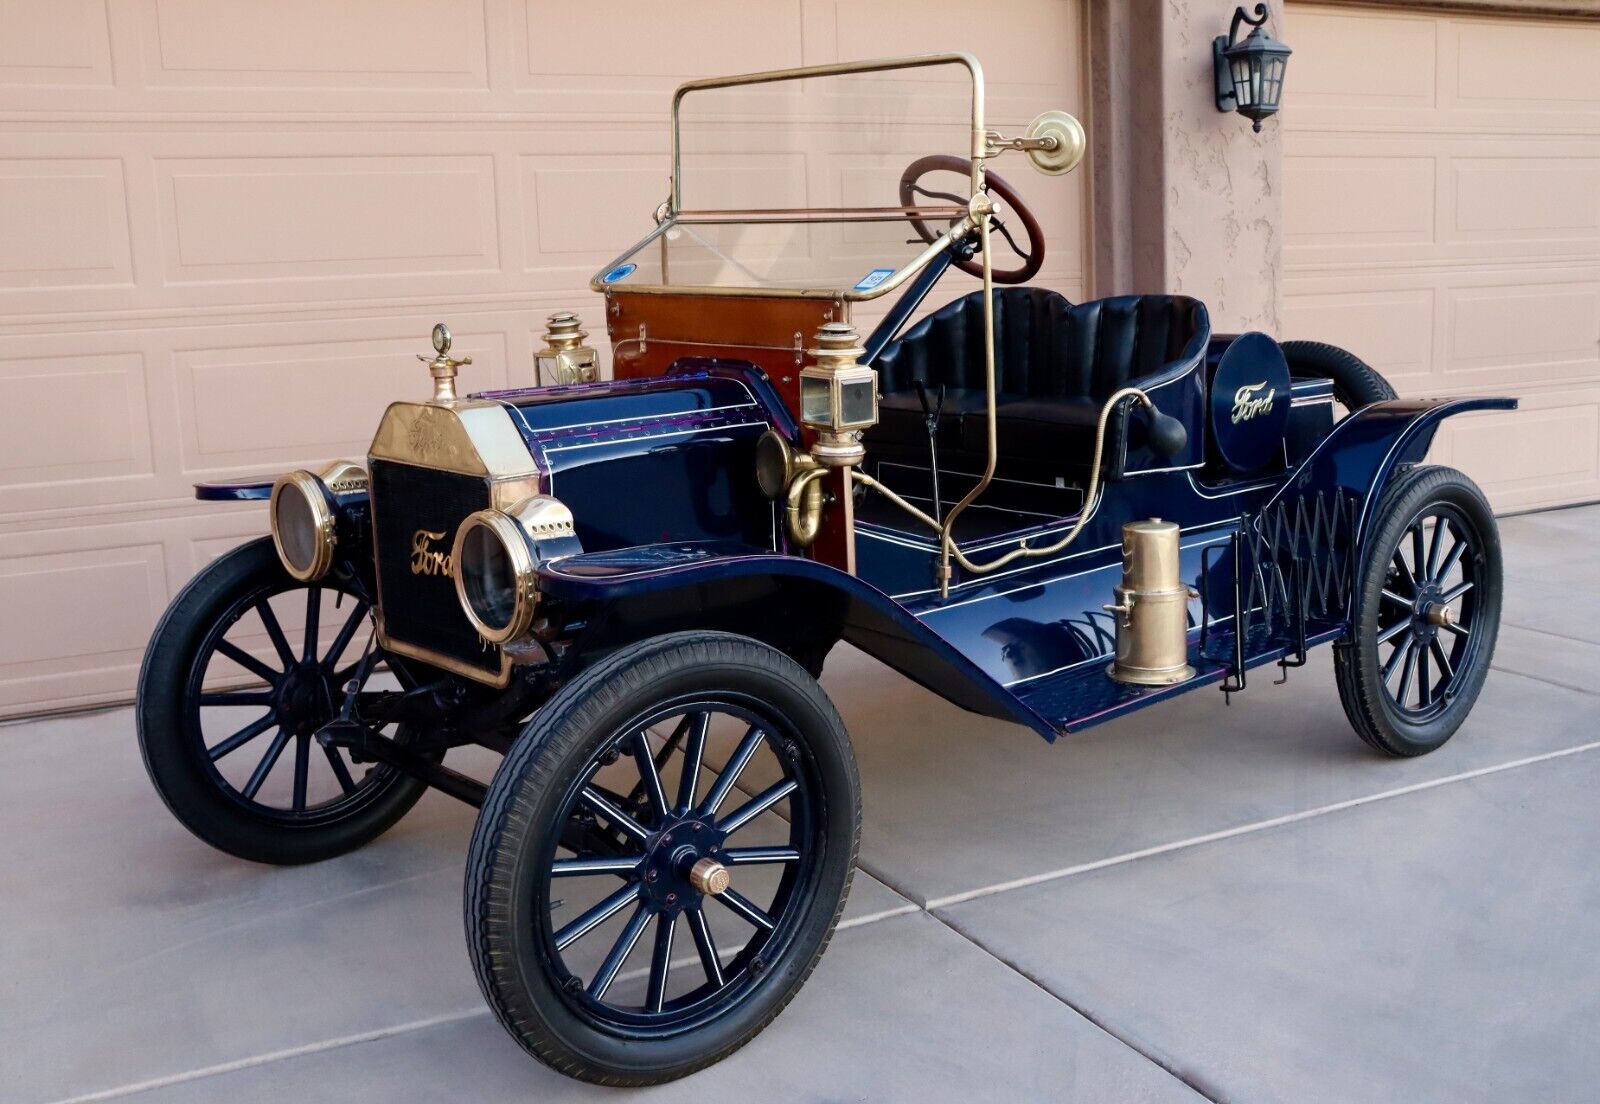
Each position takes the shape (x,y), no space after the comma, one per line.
(662,858)
(231,695)
(1427,611)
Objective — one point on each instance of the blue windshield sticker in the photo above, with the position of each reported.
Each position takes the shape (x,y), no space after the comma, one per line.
(874,278)
(621,272)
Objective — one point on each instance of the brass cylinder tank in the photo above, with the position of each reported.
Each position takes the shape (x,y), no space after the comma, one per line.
(1152,607)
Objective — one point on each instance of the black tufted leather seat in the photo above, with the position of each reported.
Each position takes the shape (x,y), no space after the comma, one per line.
(1055,364)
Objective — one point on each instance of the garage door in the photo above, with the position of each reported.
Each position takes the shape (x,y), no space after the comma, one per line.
(1442,193)
(226,226)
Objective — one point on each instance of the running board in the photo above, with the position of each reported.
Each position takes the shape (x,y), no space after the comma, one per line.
(1085,696)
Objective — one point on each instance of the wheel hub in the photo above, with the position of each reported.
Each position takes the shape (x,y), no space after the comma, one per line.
(668,877)
(305,698)
(1428,612)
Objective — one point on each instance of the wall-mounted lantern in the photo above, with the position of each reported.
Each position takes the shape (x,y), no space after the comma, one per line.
(1249,73)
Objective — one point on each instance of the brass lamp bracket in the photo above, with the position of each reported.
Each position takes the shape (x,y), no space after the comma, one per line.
(995,143)
(1055,142)
(441,366)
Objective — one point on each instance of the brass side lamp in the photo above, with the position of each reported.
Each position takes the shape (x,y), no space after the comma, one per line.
(565,359)
(838,396)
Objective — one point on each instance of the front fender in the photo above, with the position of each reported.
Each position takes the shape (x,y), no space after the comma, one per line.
(784,600)
(1361,454)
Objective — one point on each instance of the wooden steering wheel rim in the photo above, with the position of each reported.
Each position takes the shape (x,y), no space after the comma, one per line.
(936,162)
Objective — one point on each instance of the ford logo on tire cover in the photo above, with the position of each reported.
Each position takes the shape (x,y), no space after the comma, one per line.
(1249,404)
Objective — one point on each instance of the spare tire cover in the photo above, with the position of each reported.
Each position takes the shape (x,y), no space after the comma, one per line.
(1249,402)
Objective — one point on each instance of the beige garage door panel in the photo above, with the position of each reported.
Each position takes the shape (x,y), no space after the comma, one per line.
(230,226)
(1444,222)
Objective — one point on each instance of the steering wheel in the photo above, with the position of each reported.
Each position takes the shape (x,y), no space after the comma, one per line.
(1032,257)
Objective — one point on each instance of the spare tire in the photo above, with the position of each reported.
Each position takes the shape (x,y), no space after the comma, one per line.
(1355,384)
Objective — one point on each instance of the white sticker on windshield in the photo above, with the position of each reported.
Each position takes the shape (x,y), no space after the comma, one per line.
(874,278)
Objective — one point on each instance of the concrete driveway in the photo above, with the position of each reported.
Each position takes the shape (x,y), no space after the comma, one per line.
(1199,902)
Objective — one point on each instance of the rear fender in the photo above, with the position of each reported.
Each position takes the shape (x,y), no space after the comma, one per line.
(1363,452)
(785,601)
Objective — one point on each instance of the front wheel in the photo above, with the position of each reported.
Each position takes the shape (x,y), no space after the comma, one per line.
(1426,613)
(662,858)
(244,668)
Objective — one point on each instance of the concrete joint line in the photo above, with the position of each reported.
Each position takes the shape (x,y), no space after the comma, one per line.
(274,1056)
(1255,826)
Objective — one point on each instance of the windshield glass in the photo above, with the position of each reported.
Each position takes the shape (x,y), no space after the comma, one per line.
(793,180)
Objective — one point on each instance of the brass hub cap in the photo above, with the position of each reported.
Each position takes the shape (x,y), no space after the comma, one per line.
(708,876)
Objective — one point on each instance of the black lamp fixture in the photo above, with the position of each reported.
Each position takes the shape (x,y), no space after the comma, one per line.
(1249,73)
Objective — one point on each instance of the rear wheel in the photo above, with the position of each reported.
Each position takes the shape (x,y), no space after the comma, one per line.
(662,858)
(1427,610)
(245,666)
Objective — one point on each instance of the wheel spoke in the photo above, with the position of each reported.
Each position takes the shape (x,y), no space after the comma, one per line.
(275,631)
(302,769)
(757,856)
(313,612)
(247,661)
(243,736)
(710,960)
(1401,650)
(1398,561)
(620,950)
(741,906)
(649,776)
(578,868)
(1424,682)
(1456,630)
(236,697)
(340,771)
(1394,630)
(1407,673)
(730,772)
(347,632)
(1450,559)
(1391,596)
(693,753)
(1418,557)
(1455,592)
(1442,660)
(757,805)
(596,916)
(1439,526)
(621,820)
(660,963)
(268,761)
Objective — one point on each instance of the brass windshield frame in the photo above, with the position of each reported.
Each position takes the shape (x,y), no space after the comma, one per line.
(673,214)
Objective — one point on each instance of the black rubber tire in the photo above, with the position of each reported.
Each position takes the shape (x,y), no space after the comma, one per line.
(174,757)
(1357,670)
(1355,383)
(538,769)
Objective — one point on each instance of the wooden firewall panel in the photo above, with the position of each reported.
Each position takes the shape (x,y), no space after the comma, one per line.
(650,331)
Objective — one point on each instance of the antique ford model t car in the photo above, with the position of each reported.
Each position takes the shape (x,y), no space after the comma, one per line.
(1051,512)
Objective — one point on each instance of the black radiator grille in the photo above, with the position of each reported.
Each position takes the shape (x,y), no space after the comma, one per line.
(419,600)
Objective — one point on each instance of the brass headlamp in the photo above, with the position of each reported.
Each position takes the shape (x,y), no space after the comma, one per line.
(304,518)
(496,557)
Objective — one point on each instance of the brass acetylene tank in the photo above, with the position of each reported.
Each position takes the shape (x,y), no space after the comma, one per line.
(1152,607)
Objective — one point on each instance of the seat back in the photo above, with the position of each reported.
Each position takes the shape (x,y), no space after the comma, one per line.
(1045,346)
